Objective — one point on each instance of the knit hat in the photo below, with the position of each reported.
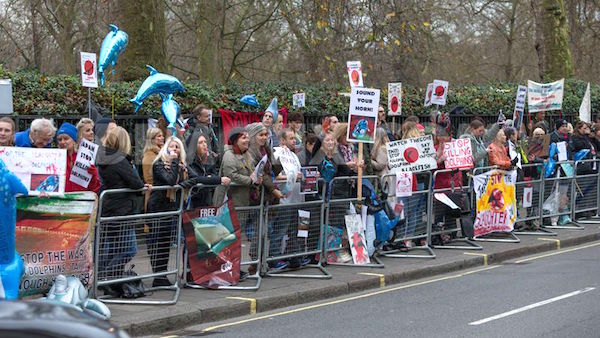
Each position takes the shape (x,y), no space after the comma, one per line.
(69,129)
(254,129)
(561,122)
(234,134)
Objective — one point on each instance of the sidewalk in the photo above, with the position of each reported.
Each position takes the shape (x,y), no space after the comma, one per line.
(200,306)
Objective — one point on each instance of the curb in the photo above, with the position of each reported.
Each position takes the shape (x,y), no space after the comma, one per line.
(179,317)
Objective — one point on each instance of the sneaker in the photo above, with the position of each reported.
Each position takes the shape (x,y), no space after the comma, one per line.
(243,276)
(344,256)
(304,261)
(280,265)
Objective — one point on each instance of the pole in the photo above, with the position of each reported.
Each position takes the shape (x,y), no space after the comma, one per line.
(360,172)
(89,102)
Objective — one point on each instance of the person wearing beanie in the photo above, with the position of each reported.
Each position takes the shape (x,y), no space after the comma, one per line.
(66,138)
(561,133)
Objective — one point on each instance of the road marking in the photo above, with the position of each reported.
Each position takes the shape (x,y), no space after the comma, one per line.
(251,300)
(551,240)
(531,306)
(557,253)
(485,256)
(339,301)
(381,277)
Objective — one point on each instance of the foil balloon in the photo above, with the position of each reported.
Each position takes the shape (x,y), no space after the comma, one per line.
(171,112)
(11,263)
(70,291)
(250,100)
(156,83)
(113,44)
(580,155)
(551,163)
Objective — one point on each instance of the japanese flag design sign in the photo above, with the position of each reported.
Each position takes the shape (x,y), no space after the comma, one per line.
(428,94)
(355,74)
(395,99)
(440,92)
(412,155)
(89,74)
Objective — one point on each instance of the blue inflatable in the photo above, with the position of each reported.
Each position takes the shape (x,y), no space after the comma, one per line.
(113,44)
(156,83)
(170,111)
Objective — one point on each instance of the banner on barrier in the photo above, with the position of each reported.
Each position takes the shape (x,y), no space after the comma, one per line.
(212,236)
(40,169)
(496,201)
(458,154)
(54,237)
(411,155)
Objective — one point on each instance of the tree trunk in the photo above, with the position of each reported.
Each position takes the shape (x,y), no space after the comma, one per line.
(559,61)
(208,39)
(144,22)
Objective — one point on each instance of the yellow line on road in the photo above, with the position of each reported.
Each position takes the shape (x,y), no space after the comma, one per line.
(557,252)
(485,256)
(381,277)
(251,300)
(343,300)
(551,240)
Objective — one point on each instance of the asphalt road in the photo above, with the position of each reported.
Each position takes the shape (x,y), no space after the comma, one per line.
(556,295)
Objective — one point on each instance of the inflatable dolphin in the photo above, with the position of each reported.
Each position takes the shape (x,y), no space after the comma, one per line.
(69,290)
(113,44)
(11,264)
(171,111)
(156,83)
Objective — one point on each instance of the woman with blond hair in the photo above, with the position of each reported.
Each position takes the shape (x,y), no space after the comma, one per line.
(85,130)
(379,157)
(155,139)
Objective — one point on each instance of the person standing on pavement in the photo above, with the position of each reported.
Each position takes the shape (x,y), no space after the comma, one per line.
(200,125)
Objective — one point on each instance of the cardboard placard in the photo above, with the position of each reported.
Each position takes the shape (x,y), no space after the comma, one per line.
(354,74)
(395,99)
(299,100)
(440,92)
(412,155)
(89,73)
(86,156)
(40,169)
(496,201)
(362,115)
(428,94)
(458,154)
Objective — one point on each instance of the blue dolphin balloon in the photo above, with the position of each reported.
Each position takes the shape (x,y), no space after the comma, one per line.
(250,100)
(11,264)
(171,111)
(551,163)
(156,83)
(113,44)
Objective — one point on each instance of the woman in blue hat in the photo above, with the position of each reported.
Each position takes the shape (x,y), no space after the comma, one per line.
(66,138)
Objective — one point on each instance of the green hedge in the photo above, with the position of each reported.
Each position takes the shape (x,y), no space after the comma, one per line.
(59,95)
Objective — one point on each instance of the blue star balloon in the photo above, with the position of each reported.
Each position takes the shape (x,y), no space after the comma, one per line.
(113,44)
(11,264)
(156,83)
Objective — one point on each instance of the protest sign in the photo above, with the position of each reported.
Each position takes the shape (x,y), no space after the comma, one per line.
(259,169)
(291,166)
(545,96)
(428,94)
(440,92)
(412,155)
(395,99)
(356,238)
(527,197)
(519,107)
(54,236)
(6,97)
(354,73)
(362,115)
(303,223)
(213,239)
(89,75)
(40,169)
(404,184)
(458,154)
(496,201)
(298,100)
(308,185)
(585,109)
(86,156)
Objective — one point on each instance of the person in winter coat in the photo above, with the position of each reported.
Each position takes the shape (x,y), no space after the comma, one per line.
(498,152)
(66,136)
(154,142)
(169,168)
(581,141)
(379,157)
(479,138)
(258,148)
(118,244)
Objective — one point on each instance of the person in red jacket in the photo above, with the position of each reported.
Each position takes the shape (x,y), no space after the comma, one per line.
(66,139)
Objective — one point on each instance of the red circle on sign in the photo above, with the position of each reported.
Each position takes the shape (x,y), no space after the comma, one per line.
(411,154)
(355,77)
(88,67)
(394,104)
(439,91)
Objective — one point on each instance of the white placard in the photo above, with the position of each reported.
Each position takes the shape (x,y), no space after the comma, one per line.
(545,96)
(519,107)
(40,169)
(356,238)
(527,197)
(6,97)
(86,156)
(89,70)
(412,155)
(299,100)
(395,99)
(303,223)
(428,94)
(446,200)
(561,147)
(362,115)
(404,184)
(458,154)
(259,169)
(440,92)
(290,163)
(585,109)
(354,74)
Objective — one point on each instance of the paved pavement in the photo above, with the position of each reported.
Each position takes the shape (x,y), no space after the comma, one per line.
(204,306)
(552,296)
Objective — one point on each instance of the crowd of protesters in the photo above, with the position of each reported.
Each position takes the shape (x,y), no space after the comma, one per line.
(198,156)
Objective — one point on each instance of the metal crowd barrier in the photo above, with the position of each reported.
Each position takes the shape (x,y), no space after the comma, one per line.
(440,225)
(559,192)
(285,242)
(341,195)
(417,219)
(528,190)
(132,248)
(587,197)
(252,229)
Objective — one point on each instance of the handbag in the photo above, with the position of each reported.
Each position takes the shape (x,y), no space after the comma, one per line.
(133,288)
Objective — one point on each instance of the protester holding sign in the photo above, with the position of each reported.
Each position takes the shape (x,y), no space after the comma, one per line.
(331,164)
(65,137)
(7,132)
(85,129)
(581,141)
(258,148)
(479,138)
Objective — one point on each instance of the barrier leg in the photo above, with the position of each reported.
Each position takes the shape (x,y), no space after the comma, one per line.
(502,237)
